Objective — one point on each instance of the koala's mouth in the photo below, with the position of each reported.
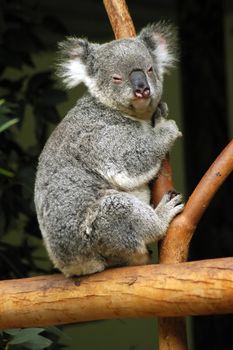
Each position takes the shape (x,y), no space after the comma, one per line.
(141,103)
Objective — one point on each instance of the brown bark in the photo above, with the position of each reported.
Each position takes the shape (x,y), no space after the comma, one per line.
(193,288)
(120,19)
(163,183)
(174,331)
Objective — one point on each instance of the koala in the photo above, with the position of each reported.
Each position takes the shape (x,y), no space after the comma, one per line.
(91,191)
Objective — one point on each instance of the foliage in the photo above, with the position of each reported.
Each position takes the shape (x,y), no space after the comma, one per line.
(3,111)
(28,338)
(25,94)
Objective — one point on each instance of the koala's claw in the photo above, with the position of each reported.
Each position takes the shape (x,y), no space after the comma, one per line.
(173,193)
(174,198)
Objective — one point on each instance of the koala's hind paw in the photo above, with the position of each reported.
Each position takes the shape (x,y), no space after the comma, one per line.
(170,205)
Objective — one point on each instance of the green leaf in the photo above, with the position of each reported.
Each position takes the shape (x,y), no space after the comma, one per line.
(29,338)
(6,173)
(8,124)
(5,108)
(12,331)
(23,335)
(37,343)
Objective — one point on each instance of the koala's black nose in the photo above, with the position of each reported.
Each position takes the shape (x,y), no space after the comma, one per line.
(139,83)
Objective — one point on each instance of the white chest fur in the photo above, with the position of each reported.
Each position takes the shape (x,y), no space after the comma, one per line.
(142,193)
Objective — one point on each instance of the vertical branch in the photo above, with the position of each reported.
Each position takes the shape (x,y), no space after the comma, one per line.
(172,333)
(123,27)
(163,183)
(120,19)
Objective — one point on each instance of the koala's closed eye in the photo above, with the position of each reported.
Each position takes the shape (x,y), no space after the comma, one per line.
(117,79)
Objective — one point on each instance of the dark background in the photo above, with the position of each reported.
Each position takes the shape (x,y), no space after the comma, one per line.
(199,95)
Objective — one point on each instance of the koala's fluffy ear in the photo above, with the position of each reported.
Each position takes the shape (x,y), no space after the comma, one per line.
(72,64)
(161,41)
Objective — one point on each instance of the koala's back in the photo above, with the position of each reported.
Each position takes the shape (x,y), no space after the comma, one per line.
(68,185)
(65,188)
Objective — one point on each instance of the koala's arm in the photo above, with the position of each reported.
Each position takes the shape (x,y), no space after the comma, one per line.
(129,158)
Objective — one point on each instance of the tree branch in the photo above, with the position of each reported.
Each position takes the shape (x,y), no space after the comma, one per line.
(120,19)
(174,248)
(163,183)
(123,27)
(193,288)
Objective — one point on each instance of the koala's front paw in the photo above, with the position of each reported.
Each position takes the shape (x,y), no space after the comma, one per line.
(161,112)
(169,128)
(169,206)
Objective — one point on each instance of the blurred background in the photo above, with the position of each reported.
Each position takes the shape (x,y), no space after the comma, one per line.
(199,93)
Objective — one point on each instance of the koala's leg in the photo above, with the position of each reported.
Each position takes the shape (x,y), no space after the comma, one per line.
(125,225)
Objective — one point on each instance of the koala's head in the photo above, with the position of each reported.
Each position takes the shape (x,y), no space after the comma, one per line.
(126,74)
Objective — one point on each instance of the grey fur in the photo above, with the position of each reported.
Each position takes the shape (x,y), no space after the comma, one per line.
(91,191)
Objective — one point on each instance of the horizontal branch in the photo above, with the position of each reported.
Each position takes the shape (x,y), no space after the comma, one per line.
(202,287)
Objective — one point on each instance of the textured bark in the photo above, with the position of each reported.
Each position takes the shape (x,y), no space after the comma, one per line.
(120,19)
(172,333)
(163,183)
(123,27)
(194,288)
